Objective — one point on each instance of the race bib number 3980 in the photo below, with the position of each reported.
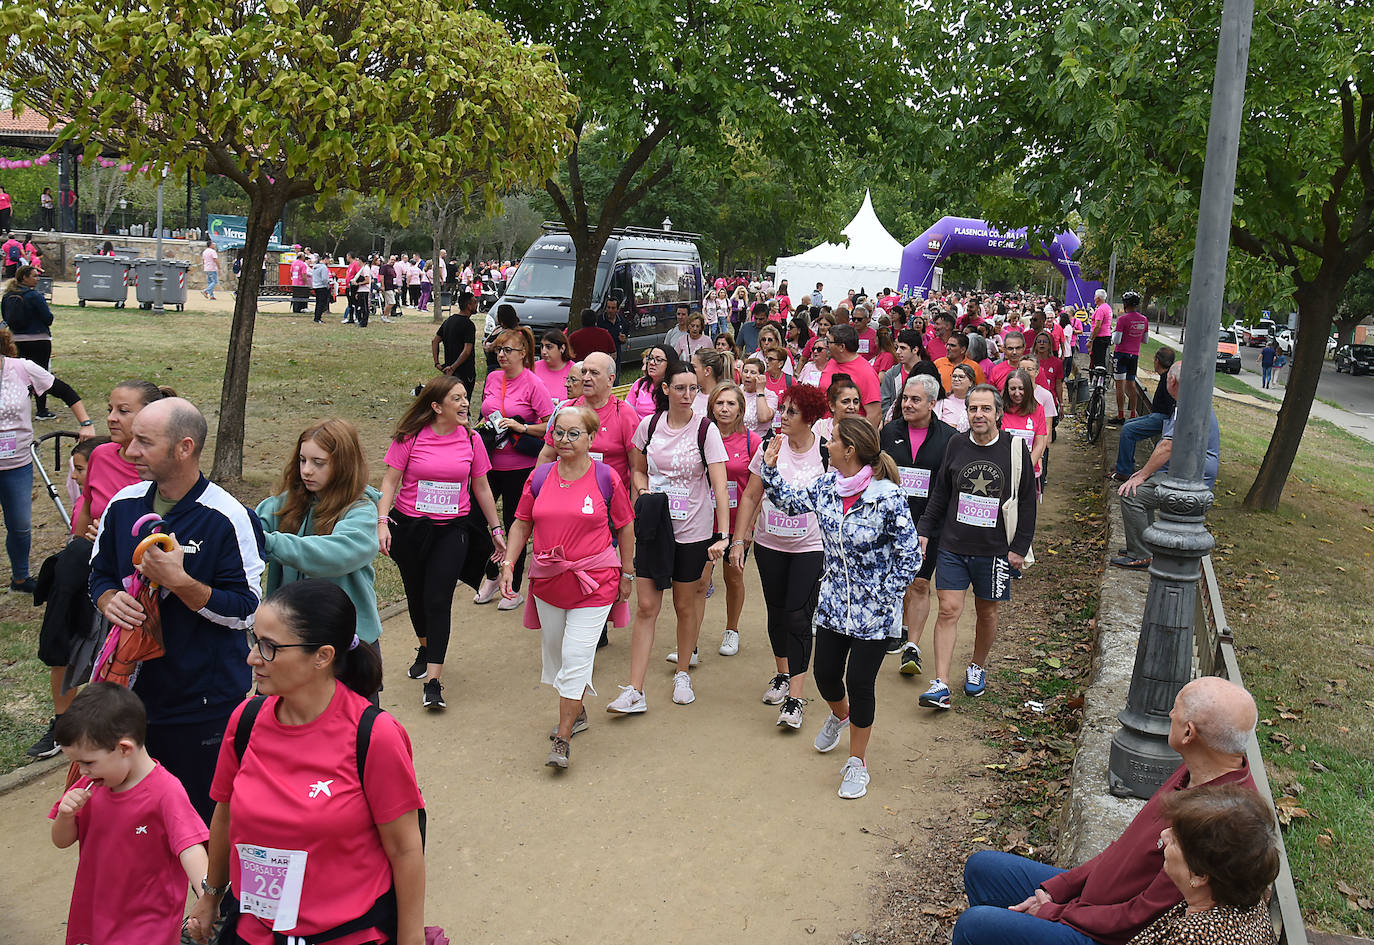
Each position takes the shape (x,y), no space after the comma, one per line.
(979,511)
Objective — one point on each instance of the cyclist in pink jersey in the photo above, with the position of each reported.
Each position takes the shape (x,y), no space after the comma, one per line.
(1131,329)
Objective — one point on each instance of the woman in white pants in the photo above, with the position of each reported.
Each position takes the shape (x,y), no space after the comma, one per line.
(581,573)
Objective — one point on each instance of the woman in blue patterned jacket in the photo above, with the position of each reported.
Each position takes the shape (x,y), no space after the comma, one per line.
(871,555)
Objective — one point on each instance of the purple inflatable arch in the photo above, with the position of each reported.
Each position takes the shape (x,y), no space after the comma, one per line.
(978,238)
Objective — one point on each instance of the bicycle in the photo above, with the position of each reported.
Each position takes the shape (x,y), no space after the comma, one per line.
(1096,415)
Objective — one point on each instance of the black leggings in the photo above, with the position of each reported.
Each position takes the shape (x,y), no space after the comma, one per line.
(429,554)
(865,658)
(791,584)
(506,486)
(40,353)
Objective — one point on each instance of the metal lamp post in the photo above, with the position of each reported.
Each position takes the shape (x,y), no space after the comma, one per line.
(159,277)
(1141,759)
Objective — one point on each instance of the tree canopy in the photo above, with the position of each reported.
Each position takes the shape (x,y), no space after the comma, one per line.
(1102,109)
(293,99)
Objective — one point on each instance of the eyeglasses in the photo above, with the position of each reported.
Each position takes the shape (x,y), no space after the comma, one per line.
(267,649)
(685,389)
(572,435)
(507,349)
(656,359)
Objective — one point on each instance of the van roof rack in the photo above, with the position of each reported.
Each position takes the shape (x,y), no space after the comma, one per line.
(644,232)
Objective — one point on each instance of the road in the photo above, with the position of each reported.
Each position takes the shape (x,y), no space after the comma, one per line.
(1355,394)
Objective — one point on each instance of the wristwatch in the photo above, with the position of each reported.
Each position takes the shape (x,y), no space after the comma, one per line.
(209,890)
(87,423)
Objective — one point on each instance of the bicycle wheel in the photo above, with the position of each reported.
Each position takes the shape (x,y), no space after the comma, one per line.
(1097,413)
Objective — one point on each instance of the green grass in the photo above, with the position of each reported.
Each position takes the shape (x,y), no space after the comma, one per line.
(1298,586)
(26,705)
(1234,385)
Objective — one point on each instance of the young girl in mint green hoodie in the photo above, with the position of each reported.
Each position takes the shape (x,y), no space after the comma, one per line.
(323,521)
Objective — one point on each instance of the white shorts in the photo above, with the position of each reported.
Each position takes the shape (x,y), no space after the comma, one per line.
(569,646)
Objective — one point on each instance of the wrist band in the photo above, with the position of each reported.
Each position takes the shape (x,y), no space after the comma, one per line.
(383,519)
(87,423)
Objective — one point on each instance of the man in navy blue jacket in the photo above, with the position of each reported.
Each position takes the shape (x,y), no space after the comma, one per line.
(210,585)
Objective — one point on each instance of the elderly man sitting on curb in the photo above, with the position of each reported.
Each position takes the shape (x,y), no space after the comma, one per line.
(1107,900)
(1140,493)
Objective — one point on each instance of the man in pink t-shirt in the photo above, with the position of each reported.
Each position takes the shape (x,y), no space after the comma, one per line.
(868,336)
(611,445)
(1131,329)
(1102,329)
(845,359)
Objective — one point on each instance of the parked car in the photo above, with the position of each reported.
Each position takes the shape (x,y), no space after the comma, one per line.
(1285,339)
(651,271)
(1357,359)
(1258,334)
(1228,352)
(1331,345)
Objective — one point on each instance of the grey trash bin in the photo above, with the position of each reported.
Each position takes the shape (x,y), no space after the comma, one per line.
(173,288)
(102,279)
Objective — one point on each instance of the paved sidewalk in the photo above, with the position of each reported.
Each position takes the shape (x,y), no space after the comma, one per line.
(1357,424)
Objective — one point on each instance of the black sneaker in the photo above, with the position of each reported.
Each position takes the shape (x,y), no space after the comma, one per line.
(26,586)
(434,695)
(45,415)
(45,747)
(895,644)
(420,666)
(1116,422)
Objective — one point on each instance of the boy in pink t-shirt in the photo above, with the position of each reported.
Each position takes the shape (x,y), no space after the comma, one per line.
(141,840)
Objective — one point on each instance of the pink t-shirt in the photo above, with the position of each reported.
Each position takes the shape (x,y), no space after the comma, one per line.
(130,888)
(209,260)
(675,468)
(1046,402)
(686,346)
(751,411)
(996,372)
(868,344)
(300,272)
(861,373)
(106,474)
(777,385)
(1102,321)
(883,362)
(1027,427)
(1133,327)
(739,450)
(790,533)
(297,788)
(522,398)
(611,445)
(572,515)
(436,472)
(916,436)
(641,398)
(935,348)
(555,382)
(16,417)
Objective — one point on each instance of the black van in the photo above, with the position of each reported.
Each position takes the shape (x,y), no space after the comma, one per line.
(650,271)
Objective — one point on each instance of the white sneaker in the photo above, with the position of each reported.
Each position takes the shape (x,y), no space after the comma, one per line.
(510,603)
(629,702)
(487,592)
(791,714)
(778,688)
(829,735)
(729,643)
(696,657)
(682,689)
(854,779)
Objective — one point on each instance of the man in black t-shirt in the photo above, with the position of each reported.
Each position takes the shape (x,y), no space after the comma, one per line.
(1151,424)
(458,335)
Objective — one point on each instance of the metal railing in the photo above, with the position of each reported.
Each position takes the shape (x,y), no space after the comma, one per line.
(1216,656)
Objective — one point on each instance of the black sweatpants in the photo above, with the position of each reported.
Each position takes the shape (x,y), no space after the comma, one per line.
(506,486)
(321,303)
(300,298)
(430,555)
(833,677)
(791,584)
(40,353)
(189,751)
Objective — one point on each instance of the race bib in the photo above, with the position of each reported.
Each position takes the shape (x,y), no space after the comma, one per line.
(731,494)
(915,482)
(270,884)
(1026,435)
(863,346)
(979,511)
(597,457)
(678,502)
(9,444)
(784,526)
(439,498)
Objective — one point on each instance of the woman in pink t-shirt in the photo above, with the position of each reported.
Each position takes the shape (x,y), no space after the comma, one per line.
(436,466)
(1023,416)
(787,550)
(727,409)
(303,826)
(578,574)
(515,407)
(554,365)
(760,401)
(677,466)
(641,394)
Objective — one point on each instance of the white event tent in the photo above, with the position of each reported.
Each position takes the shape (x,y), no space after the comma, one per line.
(871,260)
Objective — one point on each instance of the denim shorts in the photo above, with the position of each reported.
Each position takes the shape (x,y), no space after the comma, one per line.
(989,575)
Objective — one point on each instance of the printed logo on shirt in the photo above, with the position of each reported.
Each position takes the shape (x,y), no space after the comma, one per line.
(191,547)
(587,506)
(321,787)
(142,829)
(981,478)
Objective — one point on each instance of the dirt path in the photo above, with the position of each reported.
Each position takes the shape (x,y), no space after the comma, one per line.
(703,823)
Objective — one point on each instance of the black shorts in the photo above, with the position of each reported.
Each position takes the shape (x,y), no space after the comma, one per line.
(928,562)
(1124,366)
(990,576)
(69,616)
(687,564)
(1099,352)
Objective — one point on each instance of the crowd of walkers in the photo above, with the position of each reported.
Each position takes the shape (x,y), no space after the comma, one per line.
(858,453)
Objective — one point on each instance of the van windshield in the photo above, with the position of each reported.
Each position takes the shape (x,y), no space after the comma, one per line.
(543,278)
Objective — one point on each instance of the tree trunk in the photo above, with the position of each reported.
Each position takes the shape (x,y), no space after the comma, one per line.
(584,276)
(437,285)
(1315,308)
(1345,329)
(263,214)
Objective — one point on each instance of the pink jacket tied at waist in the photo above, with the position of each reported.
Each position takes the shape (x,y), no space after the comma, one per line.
(551,563)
